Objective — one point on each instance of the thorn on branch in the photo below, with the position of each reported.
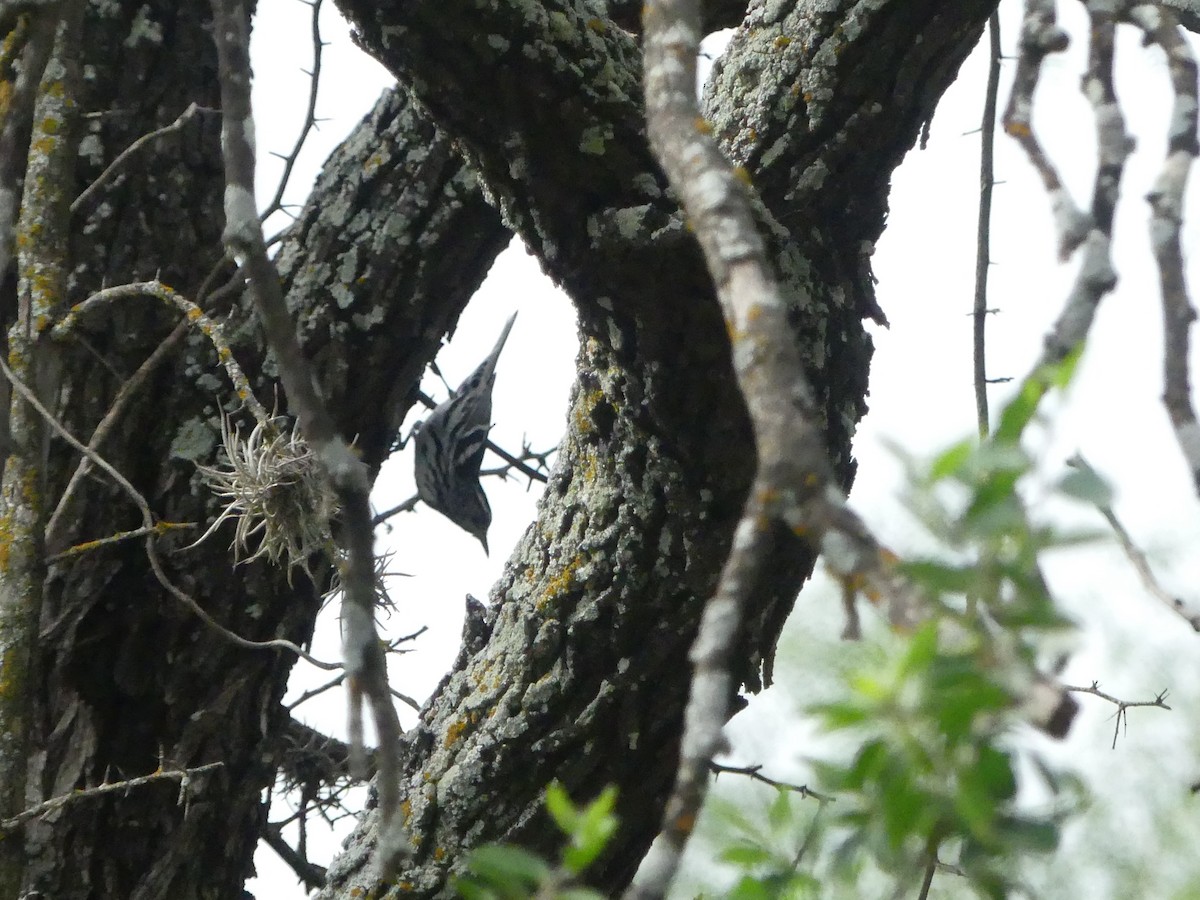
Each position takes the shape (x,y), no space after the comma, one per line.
(754,773)
(1121,715)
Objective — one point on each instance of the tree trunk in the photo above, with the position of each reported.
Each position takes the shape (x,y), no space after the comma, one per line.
(584,674)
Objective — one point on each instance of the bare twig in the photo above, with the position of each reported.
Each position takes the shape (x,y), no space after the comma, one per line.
(927,881)
(89,546)
(310,118)
(317,691)
(1121,716)
(364,658)
(111,418)
(1140,564)
(192,313)
(125,155)
(407,506)
(183,776)
(312,875)
(987,175)
(754,773)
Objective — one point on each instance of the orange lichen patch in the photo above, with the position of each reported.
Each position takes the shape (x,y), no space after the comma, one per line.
(782,41)
(6,540)
(454,732)
(194,313)
(584,408)
(562,581)
(1017,129)
(742,174)
(685,823)
(703,125)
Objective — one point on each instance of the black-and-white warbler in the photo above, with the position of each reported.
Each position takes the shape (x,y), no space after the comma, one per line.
(450,445)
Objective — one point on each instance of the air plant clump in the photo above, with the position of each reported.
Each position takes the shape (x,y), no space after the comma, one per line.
(272,486)
(383,599)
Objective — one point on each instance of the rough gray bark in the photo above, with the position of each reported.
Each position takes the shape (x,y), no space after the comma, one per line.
(122,671)
(584,676)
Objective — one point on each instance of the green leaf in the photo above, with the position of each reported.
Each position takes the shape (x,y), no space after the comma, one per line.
(561,809)
(779,814)
(867,765)
(996,772)
(1020,410)
(505,867)
(594,827)
(951,461)
(922,650)
(750,889)
(746,855)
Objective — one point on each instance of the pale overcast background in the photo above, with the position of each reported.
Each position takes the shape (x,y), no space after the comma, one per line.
(1140,824)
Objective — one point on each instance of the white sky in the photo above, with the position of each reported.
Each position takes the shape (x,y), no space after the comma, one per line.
(921,398)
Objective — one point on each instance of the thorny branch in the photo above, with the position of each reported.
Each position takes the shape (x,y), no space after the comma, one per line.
(364,659)
(183,776)
(987,181)
(1121,715)
(111,418)
(311,874)
(310,119)
(192,313)
(754,773)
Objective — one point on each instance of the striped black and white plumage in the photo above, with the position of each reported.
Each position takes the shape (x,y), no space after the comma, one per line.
(450,445)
